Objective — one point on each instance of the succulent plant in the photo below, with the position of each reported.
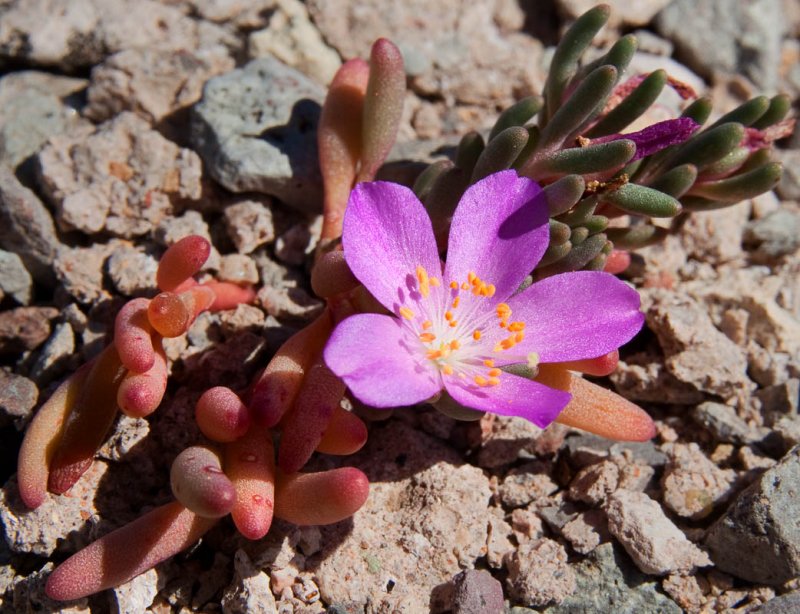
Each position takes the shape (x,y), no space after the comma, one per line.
(568,140)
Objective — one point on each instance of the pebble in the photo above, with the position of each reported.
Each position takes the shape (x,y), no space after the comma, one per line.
(789,186)
(594,483)
(24,328)
(255,128)
(654,543)
(238,268)
(775,235)
(18,396)
(783,604)
(26,227)
(607,581)
(762,521)
(249,224)
(122,178)
(538,573)
(723,423)
(529,483)
(587,531)
(135,596)
(80,271)
(281,294)
(249,593)
(477,592)
(727,36)
(692,484)
(132,271)
(779,400)
(153,83)
(56,355)
(15,281)
(637,13)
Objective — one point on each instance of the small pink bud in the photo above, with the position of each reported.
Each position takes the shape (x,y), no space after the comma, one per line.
(182,260)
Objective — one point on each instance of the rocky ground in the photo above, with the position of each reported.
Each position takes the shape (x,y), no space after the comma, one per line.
(125,124)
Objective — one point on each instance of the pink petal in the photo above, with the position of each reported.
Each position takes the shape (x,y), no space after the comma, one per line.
(387,234)
(577,315)
(513,396)
(381,361)
(499,231)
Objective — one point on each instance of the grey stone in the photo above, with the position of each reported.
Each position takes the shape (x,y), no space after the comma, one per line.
(256,130)
(15,281)
(727,36)
(763,522)
(34,106)
(153,83)
(80,271)
(249,224)
(607,581)
(76,33)
(538,573)
(789,187)
(477,592)
(637,13)
(26,227)
(18,396)
(779,400)
(132,271)
(135,596)
(775,235)
(24,328)
(723,423)
(249,591)
(55,355)
(784,604)
(123,178)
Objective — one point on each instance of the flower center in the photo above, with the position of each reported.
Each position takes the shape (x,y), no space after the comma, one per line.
(457,325)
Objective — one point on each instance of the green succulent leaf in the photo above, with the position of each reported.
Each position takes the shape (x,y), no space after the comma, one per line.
(676,182)
(568,53)
(747,113)
(427,178)
(559,232)
(529,149)
(710,145)
(632,107)
(700,110)
(517,115)
(779,106)
(469,150)
(554,253)
(742,186)
(579,235)
(604,157)
(577,258)
(597,263)
(581,213)
(641,200)
(731,162)
(619,56)
(564,193)
(596,223)
(636,236)
(500,152)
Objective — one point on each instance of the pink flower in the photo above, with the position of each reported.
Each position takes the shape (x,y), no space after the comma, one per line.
(454,329)
(655,137)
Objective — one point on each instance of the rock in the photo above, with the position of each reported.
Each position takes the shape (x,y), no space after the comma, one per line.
(424,521)
(594,483)
(695,351)
(779,400)
(249,224)
(173,229)
(132,271)
(783,604)
(247,14)
(477,592)
(453,53)
(35,106)
(526,484)
(256,129)
(637,13)
(18,396)
(293,39)
(250,591)
(505,439)
(71,34)
(135,596)
(727,36)
(762,521)
(24,328)
(28,595)
(153,83)
(775,235)
(59,522)
(686,591)
(724,425)
(643,377)
(125,435)
(26,227)
(123,178)
(56,354)
(715,237)
(789,186)
(654,543)
(281,294)
(692,484)
(294,245)
(498,544)
(587,531)
(538,573)
(80,271)
(608,582)
(238,268)
(15,281)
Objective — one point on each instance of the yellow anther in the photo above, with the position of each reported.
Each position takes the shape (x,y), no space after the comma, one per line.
(471,277)
(444,350)
(422,275)
(480,380)
(453,323)
(519,337)
(508,343)
(434,281)
(406,313)
(503,310)
(454,285)
(490,290)
(427,337)
(465,286)
(426,324)
(476,334)
(493,381)
(454,344)
(447,370)
(516,326)
(488,362)
(503,323)
(456,301)
(494,372)
(424,290)
(448,315)
(433,354)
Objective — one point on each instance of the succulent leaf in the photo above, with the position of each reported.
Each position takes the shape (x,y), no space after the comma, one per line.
(641,200)
(518,114)
(500,152)
(632,106)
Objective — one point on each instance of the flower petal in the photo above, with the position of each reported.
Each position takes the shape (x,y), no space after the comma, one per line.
(577,315)
(499,231)
(377,358)
(513,396)
(387,233)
